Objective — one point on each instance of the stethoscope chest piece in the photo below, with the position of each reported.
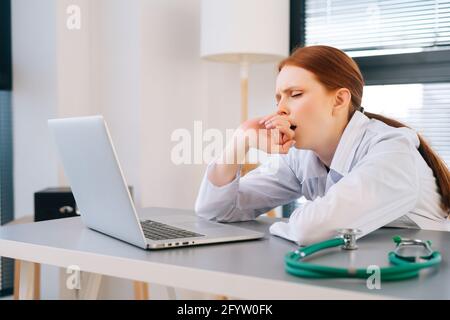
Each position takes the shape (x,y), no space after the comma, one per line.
(349,236)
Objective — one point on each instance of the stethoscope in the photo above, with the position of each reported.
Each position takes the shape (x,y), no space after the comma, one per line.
(409,257)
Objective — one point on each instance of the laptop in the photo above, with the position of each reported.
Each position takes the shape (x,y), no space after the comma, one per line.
(92,168)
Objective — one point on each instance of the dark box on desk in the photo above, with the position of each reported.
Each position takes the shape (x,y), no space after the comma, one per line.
(56,203)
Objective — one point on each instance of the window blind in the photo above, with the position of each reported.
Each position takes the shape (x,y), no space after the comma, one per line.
(370,25)
(6,185)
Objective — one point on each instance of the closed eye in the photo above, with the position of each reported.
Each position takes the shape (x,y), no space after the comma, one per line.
(296,95)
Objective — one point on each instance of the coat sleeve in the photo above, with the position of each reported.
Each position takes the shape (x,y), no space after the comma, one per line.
(262,189)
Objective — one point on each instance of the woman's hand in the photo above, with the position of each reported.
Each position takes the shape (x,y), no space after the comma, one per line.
(271,134)
(282,123)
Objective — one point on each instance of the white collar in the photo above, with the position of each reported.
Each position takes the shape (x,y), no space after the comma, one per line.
(350,140)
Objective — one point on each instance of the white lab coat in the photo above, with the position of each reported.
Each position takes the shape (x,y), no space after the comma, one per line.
(377,177)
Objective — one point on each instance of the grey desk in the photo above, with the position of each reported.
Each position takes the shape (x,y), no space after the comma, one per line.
(251,269)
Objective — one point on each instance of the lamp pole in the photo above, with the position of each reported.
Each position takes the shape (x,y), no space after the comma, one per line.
(244,91)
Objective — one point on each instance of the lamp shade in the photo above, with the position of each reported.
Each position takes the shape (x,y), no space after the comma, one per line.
(244,30)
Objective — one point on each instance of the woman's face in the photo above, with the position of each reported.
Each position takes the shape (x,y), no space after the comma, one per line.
(306,103)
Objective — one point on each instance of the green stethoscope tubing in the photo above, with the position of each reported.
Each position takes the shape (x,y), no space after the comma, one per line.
(401,269)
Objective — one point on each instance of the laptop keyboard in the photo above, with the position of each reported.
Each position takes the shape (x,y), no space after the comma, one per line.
(159,231)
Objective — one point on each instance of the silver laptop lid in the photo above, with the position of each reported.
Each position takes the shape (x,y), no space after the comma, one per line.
(93,170)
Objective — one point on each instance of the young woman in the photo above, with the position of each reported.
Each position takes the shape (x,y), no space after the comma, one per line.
(356,169)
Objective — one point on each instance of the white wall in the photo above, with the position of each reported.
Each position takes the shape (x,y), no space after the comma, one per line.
(137,63)
(116,58)
(34,99)
(177,89)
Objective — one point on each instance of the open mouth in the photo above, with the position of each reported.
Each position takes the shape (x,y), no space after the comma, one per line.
(293,127)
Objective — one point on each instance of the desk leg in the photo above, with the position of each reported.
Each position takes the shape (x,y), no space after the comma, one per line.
(16,279)
(27,280)
(140,290)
